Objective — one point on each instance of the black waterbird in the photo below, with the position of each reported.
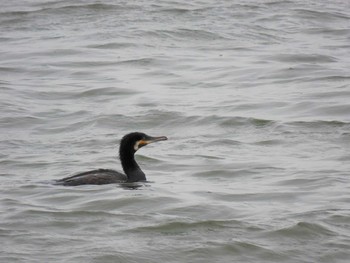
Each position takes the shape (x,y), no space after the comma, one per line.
(129,144)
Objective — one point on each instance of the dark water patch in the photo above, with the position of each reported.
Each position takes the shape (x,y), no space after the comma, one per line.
(320,125)
(4,39)
(48,57)
(115,122)
(269,36)
(80,93)
(336,255)
(340,219)
(88,64)
(215,174)
(304,230)
(244,248)
(197,34)
(333,110)
(131,201)
(65,127)
(107,91)
(93,7)
(340,93)
(58,218)
(321,16)
(193,35)
(268,143)
(11,70)
(311,108)
(57,114)
(242,121)
(21,121)
(339,32)
(347,157)
(138,62)
(303,58)
(280,4)
(292,74)
(235,171)
(174,11)
(334,78)
(67,7)
(223,142)
(210,157)
(220,251)
(254,106)
(135,185)
(115,45)
(17,13)
(304,183)
(164,118)
(277,196)
(184,227)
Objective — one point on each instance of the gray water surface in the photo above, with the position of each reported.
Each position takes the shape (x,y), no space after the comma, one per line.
(253,96)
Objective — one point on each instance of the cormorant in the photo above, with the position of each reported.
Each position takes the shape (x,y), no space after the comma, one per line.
(129,144)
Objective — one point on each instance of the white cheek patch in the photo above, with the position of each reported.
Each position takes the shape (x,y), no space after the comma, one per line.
(136,146)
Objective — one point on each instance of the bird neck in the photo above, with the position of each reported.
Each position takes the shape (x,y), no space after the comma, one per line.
(131,168)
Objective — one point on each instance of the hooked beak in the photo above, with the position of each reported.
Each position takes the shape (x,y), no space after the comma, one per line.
(150,139)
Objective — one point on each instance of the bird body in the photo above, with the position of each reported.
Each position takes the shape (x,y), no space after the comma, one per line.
(129,144)
(98,176)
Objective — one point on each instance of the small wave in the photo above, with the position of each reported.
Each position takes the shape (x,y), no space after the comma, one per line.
(185,226)
(107,91)
(174,10)
(86,64)
(185,33)
(138,61)
(113,45)
(10,70)
(269,142)
(340,93)
(304,230)
(95,6)
(320,15)
(320,124)
(241,121)
(223,142)
(215,174)
(303,58)
(20,121)
(339,78)
(333,32)
(64,6)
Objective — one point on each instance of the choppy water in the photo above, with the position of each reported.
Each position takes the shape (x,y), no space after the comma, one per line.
(253,95)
